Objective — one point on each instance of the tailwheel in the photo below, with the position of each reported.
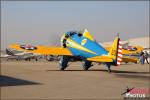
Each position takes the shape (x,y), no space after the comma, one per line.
(63,62)
(109,70)
(108,66)
(86,65)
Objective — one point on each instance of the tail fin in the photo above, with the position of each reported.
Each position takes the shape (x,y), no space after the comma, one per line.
(116,51)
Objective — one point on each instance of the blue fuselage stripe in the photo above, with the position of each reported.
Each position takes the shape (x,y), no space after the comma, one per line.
(90,45)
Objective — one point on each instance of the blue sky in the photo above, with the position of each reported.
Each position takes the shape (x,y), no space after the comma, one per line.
(43,22)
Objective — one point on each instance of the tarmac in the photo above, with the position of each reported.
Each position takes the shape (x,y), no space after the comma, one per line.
(32,80)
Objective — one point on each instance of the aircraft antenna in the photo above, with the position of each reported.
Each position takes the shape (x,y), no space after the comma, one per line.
(118,34)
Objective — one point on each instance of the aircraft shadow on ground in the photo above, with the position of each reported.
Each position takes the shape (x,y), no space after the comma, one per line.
(132,74)
(11,81)
(103,70)
(137,76)
(123,74)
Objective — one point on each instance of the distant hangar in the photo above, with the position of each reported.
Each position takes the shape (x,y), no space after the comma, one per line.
(142,41)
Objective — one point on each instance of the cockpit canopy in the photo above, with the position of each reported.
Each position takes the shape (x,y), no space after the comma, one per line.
(71,33)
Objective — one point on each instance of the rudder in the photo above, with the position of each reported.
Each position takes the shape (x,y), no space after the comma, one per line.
(116,51)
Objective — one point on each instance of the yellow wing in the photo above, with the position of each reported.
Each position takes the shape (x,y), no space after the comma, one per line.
(127,59)
(101,59)
(44,50)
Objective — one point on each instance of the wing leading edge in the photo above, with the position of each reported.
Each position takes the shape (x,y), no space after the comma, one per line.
(44,50)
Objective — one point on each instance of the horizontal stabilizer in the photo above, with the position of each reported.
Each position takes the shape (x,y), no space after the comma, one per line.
(101,59)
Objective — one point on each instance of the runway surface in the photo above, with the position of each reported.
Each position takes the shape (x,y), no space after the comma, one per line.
(43,80)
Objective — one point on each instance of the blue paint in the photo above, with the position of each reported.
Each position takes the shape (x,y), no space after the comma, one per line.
(81,53)
(91,45)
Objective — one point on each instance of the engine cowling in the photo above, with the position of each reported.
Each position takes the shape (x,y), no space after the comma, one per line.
(65,37)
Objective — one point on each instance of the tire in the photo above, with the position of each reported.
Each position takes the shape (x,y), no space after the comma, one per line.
(109,70)
(86,65)
(108,67)
(63,62)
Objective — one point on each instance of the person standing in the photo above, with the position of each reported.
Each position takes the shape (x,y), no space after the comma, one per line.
(142,58)
(146,56)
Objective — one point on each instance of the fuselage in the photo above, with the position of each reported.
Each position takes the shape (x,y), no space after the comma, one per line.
(82,46)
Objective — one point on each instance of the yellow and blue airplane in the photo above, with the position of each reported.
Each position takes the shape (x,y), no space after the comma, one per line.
(82,46)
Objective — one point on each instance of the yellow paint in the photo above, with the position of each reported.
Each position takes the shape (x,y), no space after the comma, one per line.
(109,59)
(113,50)
(44,50)
(83,41)
(100,59)
(87,35)
(139,48)
(129,59)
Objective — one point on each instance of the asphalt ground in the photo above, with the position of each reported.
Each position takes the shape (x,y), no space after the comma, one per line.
(43,80)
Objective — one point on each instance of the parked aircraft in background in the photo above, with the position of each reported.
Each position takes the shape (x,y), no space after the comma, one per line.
(19,55)
(127,50)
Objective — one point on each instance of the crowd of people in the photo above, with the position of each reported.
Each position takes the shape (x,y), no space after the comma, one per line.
(143,57)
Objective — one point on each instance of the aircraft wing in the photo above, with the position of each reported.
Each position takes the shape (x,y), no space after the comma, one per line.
(44,50)
(130,59)
(128,51)
(101,59)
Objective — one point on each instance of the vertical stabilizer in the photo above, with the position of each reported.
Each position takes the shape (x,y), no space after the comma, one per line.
(116,51)
(88,35)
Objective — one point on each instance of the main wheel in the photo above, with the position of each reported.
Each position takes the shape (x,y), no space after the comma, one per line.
(63,62)
(86,65)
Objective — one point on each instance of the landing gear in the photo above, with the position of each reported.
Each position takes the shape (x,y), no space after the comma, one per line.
(108,66)
(63,62)
(86,65)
